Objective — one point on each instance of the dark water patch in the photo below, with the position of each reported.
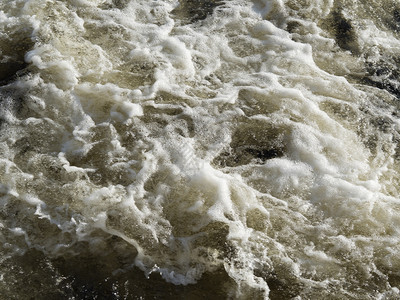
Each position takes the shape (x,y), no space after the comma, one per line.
(377,129)
(13,47)
(394,279)
(383,123)
(384,74)
(254,102)
(342,111)
(14,44)
(343,31)
(114,4)
(396,141)
(254,142)
(395,24)
(264,154)
(280,289)
(389,17)
(292,26)
(121,4)
(94,276)
(215,237)
(191,11)
(30,276)
(41,137)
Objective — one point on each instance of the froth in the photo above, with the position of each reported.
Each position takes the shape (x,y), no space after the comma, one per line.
(236,145)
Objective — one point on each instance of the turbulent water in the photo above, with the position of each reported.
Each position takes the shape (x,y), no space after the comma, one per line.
(199,149)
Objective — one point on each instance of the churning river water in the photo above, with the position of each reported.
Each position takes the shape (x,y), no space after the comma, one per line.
(199,149)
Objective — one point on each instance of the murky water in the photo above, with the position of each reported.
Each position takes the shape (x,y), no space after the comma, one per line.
(199,149)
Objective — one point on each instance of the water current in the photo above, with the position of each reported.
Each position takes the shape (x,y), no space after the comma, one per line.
(209,149)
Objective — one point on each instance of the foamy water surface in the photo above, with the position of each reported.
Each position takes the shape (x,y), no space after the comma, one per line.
(199,149)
